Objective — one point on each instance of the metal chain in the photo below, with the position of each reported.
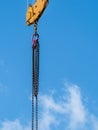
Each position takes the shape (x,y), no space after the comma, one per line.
(37,69)
(33,89)
(35,76)
(35,28)
(36,112)
(32,111)
(37,82)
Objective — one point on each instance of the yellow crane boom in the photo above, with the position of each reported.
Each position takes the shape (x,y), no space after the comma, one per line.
(35,11)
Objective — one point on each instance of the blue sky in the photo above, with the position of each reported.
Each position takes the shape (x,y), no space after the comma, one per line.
(68,66)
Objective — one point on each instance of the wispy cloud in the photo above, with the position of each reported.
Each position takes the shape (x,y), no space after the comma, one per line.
(14,125)
(76,109)
(66,113)
(71,108)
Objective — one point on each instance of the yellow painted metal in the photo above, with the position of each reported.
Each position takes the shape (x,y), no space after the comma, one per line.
(35,11)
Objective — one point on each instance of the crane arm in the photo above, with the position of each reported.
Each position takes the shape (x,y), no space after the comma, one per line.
(35,11)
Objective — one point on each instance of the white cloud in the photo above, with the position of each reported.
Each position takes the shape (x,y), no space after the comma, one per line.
(47,120)
(76,109)
(70,110)
(68,113)
(71,107)
(50,104)
(14,125)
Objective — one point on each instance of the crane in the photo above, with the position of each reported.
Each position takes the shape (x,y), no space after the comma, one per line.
(33,14)
(35,11)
